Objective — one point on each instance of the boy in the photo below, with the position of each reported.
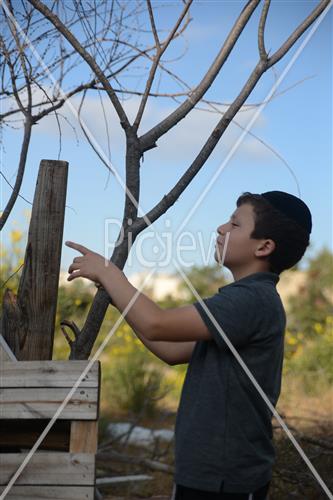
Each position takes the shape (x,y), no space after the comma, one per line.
(223,432)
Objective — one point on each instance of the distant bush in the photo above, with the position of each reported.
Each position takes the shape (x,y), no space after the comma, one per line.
(11,262)
(313,302)
(73,301)
(136,385)
(133,378)
(312,359)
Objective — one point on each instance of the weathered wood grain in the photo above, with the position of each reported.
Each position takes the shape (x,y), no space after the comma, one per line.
(50,492)
(39,402)
(84,437)
(48,374)
(50,468)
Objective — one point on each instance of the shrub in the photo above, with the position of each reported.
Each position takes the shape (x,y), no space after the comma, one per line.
(312,358)
(136,385)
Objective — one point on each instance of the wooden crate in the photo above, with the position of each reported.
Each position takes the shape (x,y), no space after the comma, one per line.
(63,467)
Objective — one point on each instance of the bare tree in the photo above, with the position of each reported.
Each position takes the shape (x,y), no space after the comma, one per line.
(37,63)
(137,144)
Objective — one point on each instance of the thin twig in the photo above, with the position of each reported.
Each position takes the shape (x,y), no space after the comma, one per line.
(12,187)
(87,57)
(92,145)
(153,26)
(11,276)
(160,49)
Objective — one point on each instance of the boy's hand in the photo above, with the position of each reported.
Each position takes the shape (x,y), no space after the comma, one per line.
(91,265)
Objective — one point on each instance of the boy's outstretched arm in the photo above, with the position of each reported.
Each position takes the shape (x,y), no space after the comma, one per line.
(172,353)
(177,324)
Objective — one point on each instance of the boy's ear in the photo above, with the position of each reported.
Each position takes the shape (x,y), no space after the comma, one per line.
(265,247)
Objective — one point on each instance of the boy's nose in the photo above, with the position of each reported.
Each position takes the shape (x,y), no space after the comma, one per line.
(221,229)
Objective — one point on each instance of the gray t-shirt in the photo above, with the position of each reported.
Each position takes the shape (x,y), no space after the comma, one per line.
(223,431)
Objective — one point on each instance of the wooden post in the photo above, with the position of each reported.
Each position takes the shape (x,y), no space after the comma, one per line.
(28,319)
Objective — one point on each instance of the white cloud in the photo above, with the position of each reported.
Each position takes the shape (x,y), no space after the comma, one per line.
(187,138)
(180,144)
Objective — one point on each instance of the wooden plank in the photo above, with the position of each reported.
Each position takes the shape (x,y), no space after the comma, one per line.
(84,437)
(50,468)
(48,374)
(14,436)
(44,402)
(50,492)
(6,354)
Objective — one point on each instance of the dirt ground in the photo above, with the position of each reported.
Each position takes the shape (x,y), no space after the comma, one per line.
(309,421)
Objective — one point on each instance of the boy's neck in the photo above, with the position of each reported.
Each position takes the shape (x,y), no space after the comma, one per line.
(256,267)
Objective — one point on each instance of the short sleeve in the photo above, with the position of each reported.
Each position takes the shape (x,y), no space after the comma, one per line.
(236,310)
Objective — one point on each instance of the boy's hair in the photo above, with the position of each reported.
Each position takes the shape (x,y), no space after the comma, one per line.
(291,239)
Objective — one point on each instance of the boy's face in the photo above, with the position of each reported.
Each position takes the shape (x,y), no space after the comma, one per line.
(242,254)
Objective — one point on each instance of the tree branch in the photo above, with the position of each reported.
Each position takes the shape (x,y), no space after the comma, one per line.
(173,95)
(13,81)
(171,197)
(19,178)
(153,26)
(28,118)
(298,33)
(148,140)
(261,31)
(160,49)
(20,50)
(87,57)
(92,84)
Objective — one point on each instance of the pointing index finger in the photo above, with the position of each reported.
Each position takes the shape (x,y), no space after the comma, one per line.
(76,246)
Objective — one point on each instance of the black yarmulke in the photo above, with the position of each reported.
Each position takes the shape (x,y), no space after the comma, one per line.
(291,206)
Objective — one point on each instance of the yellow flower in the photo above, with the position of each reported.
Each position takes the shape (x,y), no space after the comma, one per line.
(16,236)
(318,327)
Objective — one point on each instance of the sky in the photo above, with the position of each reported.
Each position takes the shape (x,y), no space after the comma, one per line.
(295,125)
